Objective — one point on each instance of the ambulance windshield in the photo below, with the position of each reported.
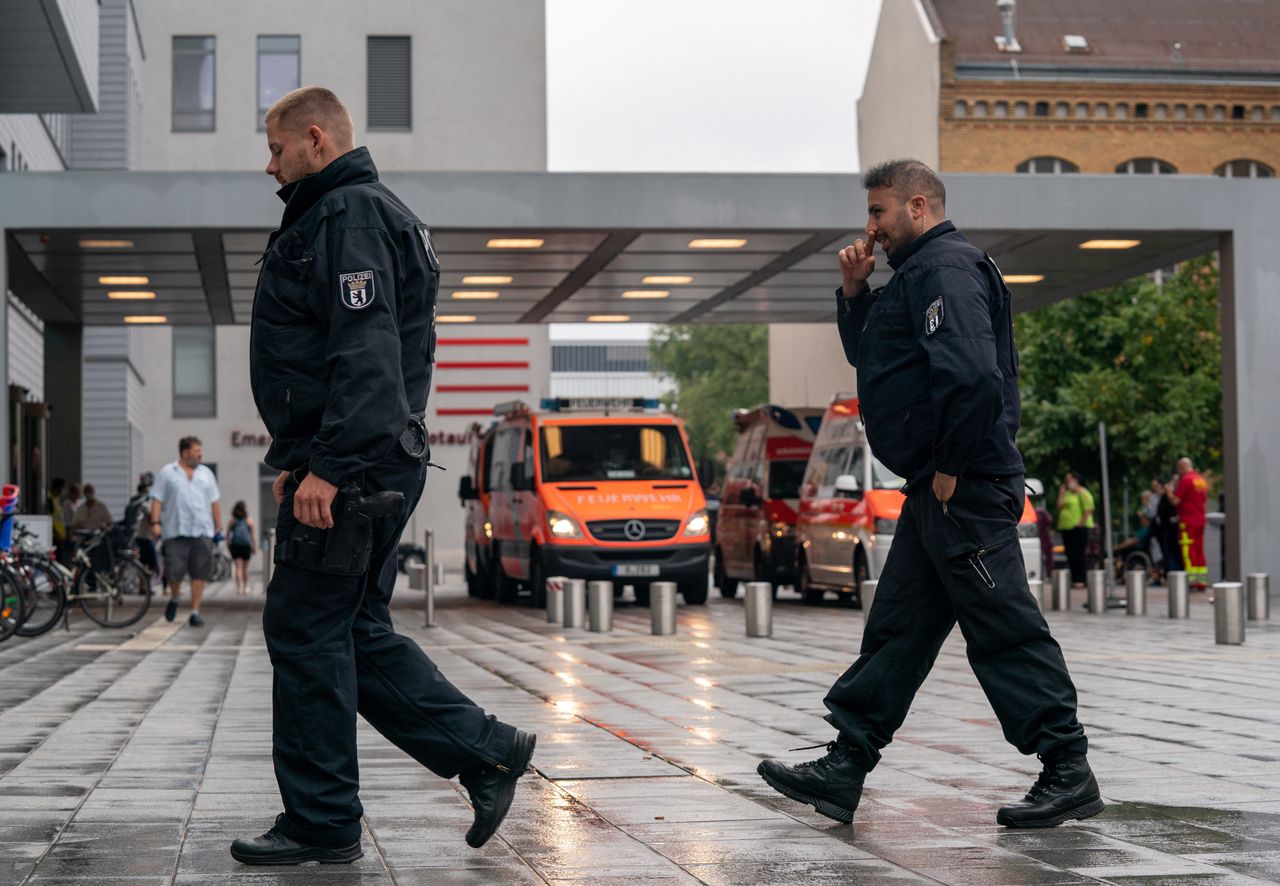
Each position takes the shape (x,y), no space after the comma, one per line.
(584,453)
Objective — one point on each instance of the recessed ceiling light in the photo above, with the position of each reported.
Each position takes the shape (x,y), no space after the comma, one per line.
(106,244)
(1023,278)
(717,243)
(476,294)
(646,293)
(138,280)
(515,243)
(455,318)
(667,280)
(1109,244)
(146,318)
(608,318)
(485,280)
(131,296)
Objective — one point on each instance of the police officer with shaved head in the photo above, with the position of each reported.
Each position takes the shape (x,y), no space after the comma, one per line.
(938,392)
(343,339)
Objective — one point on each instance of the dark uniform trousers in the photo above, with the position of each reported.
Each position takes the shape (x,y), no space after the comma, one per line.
(960,565)
(334,653)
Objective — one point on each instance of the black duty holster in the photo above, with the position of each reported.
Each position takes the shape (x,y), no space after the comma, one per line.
(345,549)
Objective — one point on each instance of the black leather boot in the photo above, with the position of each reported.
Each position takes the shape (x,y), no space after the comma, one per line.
(831,784)
(492,789)
(274,847)
(1065,790)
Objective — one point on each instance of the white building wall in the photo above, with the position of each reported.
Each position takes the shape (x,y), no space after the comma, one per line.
(807,365)
(478,81)
(109,139)
(26,141)
(110,415)
(26,349)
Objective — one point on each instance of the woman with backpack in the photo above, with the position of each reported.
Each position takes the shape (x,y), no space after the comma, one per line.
(240,542)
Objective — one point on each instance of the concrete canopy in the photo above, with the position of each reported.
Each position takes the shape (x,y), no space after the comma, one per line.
(196,237)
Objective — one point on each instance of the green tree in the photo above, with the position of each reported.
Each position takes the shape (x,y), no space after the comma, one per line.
(1144,358)
(716,369)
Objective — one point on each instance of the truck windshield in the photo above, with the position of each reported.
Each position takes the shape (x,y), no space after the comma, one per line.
(577,453)
(785,477)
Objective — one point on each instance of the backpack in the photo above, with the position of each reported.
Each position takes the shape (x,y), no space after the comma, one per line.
(240,533)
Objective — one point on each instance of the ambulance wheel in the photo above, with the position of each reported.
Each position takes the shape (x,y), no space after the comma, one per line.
(508,589)
(537,581)
(728,586)
(804,584)
(760,567)
(860,574)
(694,592)
(473,581)
(485,580)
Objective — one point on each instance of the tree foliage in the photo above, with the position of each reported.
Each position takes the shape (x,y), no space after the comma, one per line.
(716,369)
(1144,358)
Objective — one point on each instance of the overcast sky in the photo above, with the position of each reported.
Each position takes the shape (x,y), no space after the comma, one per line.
(706,85)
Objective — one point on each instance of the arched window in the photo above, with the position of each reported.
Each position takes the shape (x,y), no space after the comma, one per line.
(1244,169)
(1047,166)
(1146,166)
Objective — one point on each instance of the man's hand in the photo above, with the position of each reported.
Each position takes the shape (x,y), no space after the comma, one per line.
(944,486)
(155,531)
(856,264)
(277,487)
(313,502)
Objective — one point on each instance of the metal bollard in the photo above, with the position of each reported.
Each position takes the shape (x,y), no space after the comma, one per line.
(1259,596)
(1135,587)
(866,596)
(555,599)
(428,580)
(1228,613)
(575,603)
(1037,588)
(417,577)
(759,609)
(1179,600)
(1095,582)
(600,606)
(268,558)
(1062,590)
(662,607)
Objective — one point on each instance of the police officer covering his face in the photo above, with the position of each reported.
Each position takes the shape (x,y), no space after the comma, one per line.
(938,392)
(342,342)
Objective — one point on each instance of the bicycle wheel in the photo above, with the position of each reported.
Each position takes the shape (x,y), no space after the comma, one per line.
(117,598)
(50,593)
(13,607)
(221,566)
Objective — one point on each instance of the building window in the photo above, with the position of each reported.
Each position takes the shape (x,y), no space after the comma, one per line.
(193,84)
(1102,110)
(1020,109)
(1244,169)
(1042,109)
(1275,114)
(1141,111)
(1199,112)
(1082,110)
(1122,111)
(979,109)
(1062,109)
(1219,112)
(961,109)
(1145,166)
(1047,166)
(1237,112)
(1258,113)
(390,89)
(195,367)
(1161,112)
(279,71)
(1001,109)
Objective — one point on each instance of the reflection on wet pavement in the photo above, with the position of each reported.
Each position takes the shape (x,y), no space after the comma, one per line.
(140,765)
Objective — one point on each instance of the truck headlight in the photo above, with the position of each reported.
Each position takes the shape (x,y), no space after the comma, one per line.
(698,524)
(1028,530)
(562,525)
(488,529)
(885,526)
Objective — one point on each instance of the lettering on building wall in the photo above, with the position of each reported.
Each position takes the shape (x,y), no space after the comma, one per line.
(438,438)
(242,438)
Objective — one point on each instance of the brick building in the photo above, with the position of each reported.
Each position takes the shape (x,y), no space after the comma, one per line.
(1095,86)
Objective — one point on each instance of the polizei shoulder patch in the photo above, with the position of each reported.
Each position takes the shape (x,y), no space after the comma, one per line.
(357,289)
(933,316)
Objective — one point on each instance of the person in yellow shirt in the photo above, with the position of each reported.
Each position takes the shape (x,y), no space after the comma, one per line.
(1075,519)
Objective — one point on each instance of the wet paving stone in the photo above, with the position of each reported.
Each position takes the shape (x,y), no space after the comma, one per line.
(139,764)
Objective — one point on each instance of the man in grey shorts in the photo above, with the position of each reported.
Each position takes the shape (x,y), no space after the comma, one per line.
(184,506)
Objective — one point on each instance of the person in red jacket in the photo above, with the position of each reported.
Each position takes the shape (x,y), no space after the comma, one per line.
(1189,495)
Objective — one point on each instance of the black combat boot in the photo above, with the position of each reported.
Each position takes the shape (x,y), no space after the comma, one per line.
(831,784)
(492,789)
(1065,790)
(275,848)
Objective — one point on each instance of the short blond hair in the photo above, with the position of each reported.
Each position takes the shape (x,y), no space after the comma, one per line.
(314,105)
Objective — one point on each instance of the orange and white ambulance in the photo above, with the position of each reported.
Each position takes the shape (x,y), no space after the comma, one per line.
(595,489)
(474,493)
(849,508)
(755,529)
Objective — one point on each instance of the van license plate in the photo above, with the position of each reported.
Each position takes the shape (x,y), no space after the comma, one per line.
(635,570)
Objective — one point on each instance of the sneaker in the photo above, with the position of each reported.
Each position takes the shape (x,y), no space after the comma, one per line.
(831,784)
(171,610)
(492,789)
(1066,790)
(195,620)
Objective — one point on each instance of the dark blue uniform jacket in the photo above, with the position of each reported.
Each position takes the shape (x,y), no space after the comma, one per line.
(343,330)
(937,365)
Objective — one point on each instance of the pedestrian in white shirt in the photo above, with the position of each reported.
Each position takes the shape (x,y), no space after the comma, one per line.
(184,506)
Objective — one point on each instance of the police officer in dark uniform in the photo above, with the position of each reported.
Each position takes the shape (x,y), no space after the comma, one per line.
(938,394)
(341,352)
